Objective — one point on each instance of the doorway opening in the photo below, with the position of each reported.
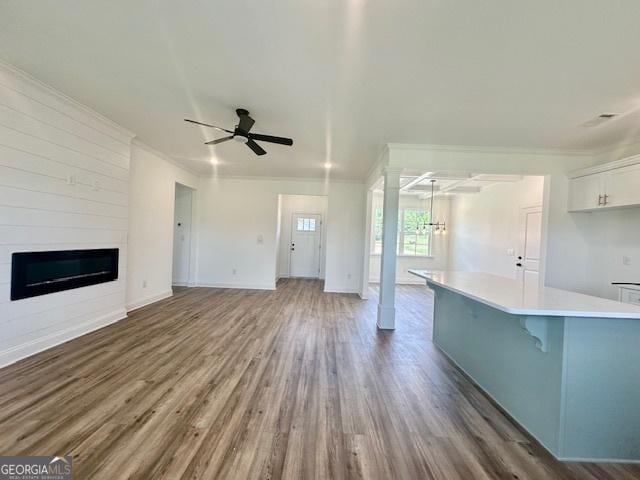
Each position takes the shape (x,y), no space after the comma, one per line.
(495,223)
(301,236)
(182,236)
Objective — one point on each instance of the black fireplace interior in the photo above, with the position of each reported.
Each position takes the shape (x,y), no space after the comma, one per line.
(39,273)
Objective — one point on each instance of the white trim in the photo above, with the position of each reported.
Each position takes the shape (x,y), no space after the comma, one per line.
(285,179)
(612,147)
(238,286)
(488,149)
(597,460)
(148,300)
(176,163)
(404,255)
(341,290)
(605,167)
(30,348)
(400,281)
(125,134)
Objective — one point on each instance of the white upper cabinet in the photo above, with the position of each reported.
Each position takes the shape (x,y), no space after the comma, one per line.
(586,193)
(622,186)
(613,185)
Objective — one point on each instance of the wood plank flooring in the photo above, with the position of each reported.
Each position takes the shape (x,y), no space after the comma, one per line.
(239,384)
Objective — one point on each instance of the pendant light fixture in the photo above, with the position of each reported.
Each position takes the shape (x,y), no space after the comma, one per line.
(440,227)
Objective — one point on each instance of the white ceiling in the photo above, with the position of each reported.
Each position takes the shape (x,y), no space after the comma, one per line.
(341,77)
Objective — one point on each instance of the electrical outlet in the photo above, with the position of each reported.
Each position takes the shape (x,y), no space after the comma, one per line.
(626,260)
(348,276)
(144,284)
(235,271)
(260,240)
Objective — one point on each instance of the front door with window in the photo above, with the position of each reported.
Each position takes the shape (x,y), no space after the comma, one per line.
(305,245)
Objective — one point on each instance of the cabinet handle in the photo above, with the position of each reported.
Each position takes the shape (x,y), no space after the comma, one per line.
(599,200)
(605,199)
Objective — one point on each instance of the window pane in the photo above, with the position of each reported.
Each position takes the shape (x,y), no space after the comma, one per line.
(378,227)
(409,246)
(422,249)
(312,224)
(306,225)
(300,226)
(414,219)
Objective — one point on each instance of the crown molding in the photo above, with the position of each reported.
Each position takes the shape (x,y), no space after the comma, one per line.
(616,146)
(176,163)
(126,135)
(605,167)
(284,179)
(488,149)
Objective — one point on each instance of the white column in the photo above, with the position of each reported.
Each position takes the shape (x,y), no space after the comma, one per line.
(386,303)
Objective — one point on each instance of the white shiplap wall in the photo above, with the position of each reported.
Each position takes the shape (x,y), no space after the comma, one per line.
(64,176)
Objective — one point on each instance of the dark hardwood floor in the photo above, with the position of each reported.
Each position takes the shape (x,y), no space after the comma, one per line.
(296,383)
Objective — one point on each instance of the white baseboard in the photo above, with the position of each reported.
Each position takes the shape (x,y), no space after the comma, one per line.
(341,290)
(402,281)
(27,349)
(240,286)
(147,300)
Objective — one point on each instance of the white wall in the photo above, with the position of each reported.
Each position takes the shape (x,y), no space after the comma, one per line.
(610,236)
(289,205)
(485,225)
(182,224)
(439,247)
(151,214)
(47,139)
(236,213)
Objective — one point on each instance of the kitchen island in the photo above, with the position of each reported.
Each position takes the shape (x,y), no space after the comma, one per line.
(565,366)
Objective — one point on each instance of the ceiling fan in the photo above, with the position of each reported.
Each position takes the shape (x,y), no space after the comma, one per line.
(241,133)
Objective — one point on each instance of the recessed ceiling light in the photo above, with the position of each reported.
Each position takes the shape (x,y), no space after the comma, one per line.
(327,165)
(214,161)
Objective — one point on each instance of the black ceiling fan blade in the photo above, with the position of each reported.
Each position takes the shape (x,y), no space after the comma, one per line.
(271,138)
(257,149)
(246,122)
(207,125)
(219,140)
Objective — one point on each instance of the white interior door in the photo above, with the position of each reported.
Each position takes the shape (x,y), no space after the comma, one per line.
(305,245)
(182,235)
(528,263)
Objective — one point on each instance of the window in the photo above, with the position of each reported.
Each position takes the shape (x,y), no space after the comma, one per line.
(411,238)
(306,225)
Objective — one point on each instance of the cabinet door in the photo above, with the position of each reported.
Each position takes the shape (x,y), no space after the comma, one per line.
(622,186)
(584,192)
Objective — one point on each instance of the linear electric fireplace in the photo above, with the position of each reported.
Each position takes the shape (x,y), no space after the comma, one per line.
(39,273)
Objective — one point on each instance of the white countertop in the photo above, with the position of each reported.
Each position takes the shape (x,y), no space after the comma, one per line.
(511,296)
